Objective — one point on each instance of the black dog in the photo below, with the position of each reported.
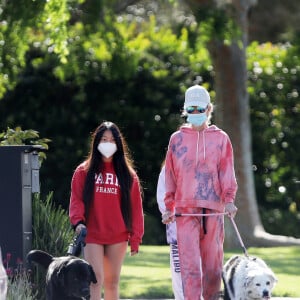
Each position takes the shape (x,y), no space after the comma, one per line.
(67,278)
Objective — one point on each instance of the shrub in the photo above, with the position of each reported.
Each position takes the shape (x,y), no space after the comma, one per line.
(20,287)
(51,233)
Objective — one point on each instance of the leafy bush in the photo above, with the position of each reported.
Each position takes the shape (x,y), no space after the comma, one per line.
(20,287)
(51,227)
(274,96)
(18,136)
(51,233)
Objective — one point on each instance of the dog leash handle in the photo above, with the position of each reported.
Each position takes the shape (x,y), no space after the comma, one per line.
(239,236)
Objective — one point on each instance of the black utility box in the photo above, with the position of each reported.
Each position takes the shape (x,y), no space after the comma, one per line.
(19,179)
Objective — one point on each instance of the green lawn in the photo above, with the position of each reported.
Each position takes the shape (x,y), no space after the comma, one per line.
(147,275)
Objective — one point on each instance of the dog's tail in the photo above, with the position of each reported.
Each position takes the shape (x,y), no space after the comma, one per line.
(41,257)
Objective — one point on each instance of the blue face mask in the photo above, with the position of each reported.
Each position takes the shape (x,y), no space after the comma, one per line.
(197,119)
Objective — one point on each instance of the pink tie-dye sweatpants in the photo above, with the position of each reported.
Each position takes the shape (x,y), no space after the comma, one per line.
(201,254)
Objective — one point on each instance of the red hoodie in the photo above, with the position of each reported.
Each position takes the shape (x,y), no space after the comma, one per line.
(199,169)
(105,224)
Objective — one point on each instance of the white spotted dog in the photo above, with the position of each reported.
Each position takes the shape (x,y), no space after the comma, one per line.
(247,278)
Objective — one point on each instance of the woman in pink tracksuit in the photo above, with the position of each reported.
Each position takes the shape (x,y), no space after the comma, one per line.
(200,179)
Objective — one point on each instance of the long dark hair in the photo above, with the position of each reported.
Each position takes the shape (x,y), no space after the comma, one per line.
(123,166)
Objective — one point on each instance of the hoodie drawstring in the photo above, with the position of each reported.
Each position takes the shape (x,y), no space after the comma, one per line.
(203,138)
(197,147)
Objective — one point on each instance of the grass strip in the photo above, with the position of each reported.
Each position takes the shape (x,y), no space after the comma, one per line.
(147,275)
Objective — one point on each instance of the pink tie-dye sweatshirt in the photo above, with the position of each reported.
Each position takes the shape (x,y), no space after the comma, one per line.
(199,169)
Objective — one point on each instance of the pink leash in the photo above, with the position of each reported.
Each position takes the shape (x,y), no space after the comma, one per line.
(218,214)
(239,236)
(200,215)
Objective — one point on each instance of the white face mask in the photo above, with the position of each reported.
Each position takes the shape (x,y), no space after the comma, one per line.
(107,149)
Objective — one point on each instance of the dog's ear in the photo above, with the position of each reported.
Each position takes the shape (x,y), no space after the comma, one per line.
(272,277)
(249,278)
(93,275)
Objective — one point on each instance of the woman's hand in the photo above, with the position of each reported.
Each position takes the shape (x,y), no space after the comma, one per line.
(79,227)
(168,217)
(133,252)
(231,209)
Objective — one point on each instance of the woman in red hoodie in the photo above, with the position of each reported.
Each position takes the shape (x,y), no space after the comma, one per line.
(200,180)
(106,199)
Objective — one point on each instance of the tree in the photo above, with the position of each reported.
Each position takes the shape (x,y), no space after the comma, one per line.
(282,18)
(161,58)
(228,54)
